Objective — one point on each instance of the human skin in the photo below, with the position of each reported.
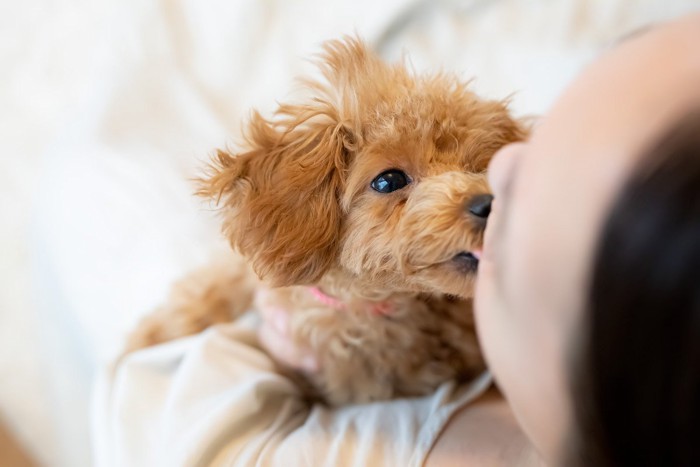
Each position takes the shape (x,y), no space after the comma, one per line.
(552,195)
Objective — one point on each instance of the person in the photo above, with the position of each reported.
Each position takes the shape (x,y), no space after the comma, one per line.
(586,306)
(587,303)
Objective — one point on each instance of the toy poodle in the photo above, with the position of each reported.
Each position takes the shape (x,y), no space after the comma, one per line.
(361,210)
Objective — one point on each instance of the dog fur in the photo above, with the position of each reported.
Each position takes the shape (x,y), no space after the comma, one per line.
(296,202)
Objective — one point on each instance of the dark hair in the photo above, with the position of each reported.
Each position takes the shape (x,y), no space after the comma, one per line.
(636,372)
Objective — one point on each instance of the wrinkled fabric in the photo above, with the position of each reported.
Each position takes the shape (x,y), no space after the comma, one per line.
(216,399)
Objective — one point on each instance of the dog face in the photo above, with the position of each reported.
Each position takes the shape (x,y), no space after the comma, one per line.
(380,174)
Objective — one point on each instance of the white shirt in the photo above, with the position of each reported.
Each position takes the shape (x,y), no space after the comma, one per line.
(216,399)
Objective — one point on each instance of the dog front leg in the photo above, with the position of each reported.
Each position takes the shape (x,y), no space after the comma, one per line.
(216,293)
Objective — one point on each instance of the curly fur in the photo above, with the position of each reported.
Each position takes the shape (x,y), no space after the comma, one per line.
(296,203)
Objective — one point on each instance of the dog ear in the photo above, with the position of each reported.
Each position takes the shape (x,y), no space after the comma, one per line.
(280,199)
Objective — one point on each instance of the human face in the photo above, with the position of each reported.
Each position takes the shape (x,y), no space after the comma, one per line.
(551,197)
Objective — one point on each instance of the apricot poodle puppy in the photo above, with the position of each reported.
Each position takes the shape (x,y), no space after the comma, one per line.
(361,209)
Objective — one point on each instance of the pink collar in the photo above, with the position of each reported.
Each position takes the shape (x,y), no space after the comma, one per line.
(327,299)
(377,308)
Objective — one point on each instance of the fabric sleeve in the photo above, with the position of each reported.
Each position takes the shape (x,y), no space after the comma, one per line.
(216,400)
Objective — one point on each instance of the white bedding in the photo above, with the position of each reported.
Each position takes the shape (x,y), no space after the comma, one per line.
(108,107)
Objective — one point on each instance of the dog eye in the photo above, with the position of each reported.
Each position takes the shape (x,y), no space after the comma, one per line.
(389,181)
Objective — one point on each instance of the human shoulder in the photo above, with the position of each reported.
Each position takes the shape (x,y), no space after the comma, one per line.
(483,433)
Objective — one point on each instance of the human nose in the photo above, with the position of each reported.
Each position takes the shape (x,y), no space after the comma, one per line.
(501,167)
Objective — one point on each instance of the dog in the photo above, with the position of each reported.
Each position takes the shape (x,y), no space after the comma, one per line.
(361,209)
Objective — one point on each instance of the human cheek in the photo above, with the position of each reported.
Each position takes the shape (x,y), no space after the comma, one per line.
(488,303)
(484,296)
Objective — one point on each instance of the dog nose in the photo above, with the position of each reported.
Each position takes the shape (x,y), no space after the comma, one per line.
(480,205)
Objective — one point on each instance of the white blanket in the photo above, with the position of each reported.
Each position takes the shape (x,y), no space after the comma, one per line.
(108,107)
